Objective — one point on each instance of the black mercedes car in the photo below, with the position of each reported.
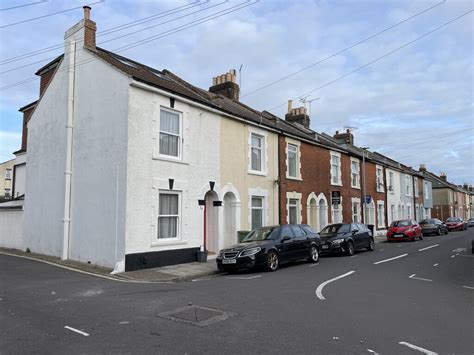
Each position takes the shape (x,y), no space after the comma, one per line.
(271,246)
(346,238)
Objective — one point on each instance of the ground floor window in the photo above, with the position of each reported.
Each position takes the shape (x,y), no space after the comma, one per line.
(293,210)
(257,212)
(381,215)
(409,212)
(392,213)
(355,212)
(168,217)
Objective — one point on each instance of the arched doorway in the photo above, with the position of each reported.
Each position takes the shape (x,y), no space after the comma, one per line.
(322,214)
(230,219)
(312,211)
(212,222)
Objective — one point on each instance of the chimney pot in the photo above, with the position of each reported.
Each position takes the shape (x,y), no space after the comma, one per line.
(290,105)
(87,12)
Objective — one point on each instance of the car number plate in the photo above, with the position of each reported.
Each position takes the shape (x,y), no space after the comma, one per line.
(398,235)
(229,261)
(325,246)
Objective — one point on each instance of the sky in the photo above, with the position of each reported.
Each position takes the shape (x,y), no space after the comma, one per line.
(415,105)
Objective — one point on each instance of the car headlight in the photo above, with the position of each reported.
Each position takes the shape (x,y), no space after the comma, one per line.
(249,252)
(337,241)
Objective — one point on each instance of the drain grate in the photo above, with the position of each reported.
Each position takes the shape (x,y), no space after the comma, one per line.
(197,315)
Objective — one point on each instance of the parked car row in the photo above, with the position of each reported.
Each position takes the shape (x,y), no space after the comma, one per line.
(269,247)
(408,229)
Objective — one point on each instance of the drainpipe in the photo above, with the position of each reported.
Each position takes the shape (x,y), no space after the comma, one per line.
(69,138)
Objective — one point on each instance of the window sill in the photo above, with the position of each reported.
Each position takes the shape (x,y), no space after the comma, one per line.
(336,184)
(167,242)
(171,160)
(259,173)
(294,178)
(356,187)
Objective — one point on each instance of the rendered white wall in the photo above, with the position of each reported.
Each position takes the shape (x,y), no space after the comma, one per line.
(146,175)
(11,227)
(98,184)
(44,200)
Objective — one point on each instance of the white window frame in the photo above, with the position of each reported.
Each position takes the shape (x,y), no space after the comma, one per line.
(334,210)
(379,178)
(295,144)
(393,213)
(8,174)
(294,196)
(415,186)
(357,175)
(409,215)
(262,208)
(380,214)
(178,216)
(339,172)
(408,185)
(180,135)
(293,203)
(264,148)
(391,182)
(427,195)
(355,201)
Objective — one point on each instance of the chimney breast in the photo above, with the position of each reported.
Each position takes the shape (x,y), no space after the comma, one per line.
(226,85)
(297,115)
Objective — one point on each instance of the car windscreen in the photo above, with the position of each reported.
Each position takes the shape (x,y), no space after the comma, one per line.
(404,223)
(261,234)
(336,228)
(453,219)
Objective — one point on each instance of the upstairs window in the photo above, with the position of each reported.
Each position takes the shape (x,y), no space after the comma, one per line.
(415,187)
(335,169)
(427,196)
(292,160)
(408,185)
(8,174)
(379,180)
(390,181)
(170,134)
(355,174)
(257,145)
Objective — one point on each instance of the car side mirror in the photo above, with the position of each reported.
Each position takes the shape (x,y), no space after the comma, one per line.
(285,238)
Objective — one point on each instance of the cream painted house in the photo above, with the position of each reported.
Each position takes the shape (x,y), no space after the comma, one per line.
(6,178)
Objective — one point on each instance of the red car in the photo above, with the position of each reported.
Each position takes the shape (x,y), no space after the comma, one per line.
(405,229)
(456,224)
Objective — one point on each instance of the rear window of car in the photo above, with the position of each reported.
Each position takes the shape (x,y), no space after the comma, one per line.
(403,223)
(297,231)
(308,229)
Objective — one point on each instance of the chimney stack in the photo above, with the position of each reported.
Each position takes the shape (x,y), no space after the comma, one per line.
(226,85)
(443,176)
(84,31)
(346,137)
(423,168)
(297,115)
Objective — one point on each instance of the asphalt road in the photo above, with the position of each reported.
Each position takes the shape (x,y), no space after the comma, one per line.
(423,299)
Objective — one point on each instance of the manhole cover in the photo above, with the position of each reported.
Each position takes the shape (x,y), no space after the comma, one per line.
(196,315)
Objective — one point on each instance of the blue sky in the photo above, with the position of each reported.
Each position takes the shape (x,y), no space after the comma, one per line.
(415,105)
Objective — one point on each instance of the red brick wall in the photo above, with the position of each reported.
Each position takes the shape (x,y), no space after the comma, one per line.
(45,79)
(24,133)
(316,177)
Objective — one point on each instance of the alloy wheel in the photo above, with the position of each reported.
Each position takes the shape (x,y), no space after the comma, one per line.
(350,249)
(313,254)
(272,261)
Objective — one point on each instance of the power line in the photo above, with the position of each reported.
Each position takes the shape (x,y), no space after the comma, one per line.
(25,5)
(152,38)
(47,15)
(379,58)
(122,36)
(344,50)
(108,31)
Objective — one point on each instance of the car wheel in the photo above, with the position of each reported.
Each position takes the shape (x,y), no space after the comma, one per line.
(313,254)
(350,248)
(272,261)
(439,231)
(371,246)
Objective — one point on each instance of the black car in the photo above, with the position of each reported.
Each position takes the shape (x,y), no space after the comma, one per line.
(346,238)
(271,246)
(433,226)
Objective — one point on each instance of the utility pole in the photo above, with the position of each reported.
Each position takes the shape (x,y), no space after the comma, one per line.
(364,202)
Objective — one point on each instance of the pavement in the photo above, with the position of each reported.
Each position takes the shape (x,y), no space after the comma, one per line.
(180,272)
(398,299)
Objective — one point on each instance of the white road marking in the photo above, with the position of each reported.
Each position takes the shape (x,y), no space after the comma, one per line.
(428,352)
(458,250)
(243,277)
(353,256)
(76,330)
(315,264)
(418,278)
(453,256)
(435,264)
(373,352)
(124,322)
(431,246)
(469,256)
(384,261)
(381,249)
(321,286)
(399,245)
(469,287)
